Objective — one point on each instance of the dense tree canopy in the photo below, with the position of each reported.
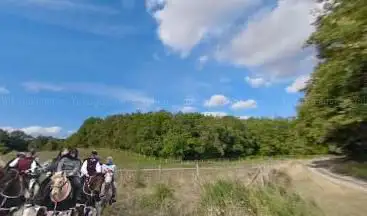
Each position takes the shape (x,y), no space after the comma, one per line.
(191,136)
(19,141)
(334,110)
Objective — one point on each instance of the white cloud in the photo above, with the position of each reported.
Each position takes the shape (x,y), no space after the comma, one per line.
(188,109)
(37,130)
(215,114)
(202,61)
(69,132)
(217,100)
(4,90)
(243,117)
(298,84)
(269,41)
(118,93)
(273,39)
(184,24)
(247,104)
(257,82)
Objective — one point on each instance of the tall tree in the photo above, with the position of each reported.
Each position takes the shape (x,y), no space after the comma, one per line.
(334,108)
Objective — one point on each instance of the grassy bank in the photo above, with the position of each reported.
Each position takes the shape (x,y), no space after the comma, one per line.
(344,166)
(351,168)
(271,194)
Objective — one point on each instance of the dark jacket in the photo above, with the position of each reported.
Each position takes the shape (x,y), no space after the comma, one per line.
(71,166)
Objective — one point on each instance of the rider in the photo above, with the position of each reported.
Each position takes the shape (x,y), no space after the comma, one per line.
(18,155)
(109,166)
(24,162)
(53,166)
(70,164)
(91,166)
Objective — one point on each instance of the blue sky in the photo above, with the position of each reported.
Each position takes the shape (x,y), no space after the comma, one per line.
(62,61)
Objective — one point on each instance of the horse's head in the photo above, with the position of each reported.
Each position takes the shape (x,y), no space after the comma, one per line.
(60,186)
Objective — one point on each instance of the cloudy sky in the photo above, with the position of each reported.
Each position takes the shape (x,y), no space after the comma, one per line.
(62,61)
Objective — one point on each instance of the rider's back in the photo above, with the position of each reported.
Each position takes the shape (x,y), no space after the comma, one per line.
(109,167)
(69,165)
(91,166)
(24,163)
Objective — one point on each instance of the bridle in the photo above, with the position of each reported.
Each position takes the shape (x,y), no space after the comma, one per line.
(60,186)
(6,197)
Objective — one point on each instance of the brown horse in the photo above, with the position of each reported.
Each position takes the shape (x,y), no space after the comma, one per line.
(91,194)
(11,191)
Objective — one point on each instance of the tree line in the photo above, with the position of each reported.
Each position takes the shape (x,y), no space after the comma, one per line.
(192,136)
(20,141)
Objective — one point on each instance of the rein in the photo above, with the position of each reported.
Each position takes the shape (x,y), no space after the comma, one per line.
(6,197)
(60,187)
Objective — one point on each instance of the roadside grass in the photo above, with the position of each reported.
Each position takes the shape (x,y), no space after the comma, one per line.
(232,198)
(351,168)
(271,194)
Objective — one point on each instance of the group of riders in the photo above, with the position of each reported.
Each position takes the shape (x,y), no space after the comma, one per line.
(78,172)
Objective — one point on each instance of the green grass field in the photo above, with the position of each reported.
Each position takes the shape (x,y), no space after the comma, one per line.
(129,160)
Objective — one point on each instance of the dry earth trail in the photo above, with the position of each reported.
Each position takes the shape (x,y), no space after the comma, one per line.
(336,195)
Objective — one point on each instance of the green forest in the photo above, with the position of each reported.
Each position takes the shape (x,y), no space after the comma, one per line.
(192,135)
(331,116)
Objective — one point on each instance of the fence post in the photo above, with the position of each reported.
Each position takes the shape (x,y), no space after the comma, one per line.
(159,172)
(197,169)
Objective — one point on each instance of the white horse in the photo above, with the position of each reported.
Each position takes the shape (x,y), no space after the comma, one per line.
(26,210)
(33,186)
(106,192)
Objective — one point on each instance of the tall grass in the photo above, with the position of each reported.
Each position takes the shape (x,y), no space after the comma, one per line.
(231,198)
(270,194)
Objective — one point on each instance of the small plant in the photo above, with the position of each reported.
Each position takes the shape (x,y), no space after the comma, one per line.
(162,192)
(160,201)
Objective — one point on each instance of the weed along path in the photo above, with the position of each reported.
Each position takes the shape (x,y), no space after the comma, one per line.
(333,195)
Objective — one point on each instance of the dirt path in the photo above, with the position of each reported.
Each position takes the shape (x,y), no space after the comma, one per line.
(335,196)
